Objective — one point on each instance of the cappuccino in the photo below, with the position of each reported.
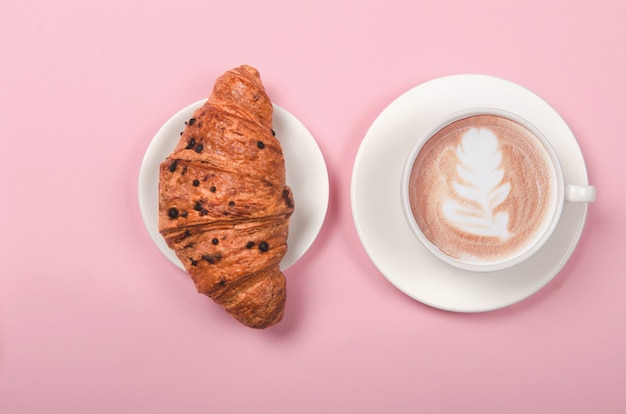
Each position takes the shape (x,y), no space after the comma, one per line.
(483,189)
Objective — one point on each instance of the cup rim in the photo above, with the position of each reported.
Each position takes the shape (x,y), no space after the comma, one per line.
(556,205)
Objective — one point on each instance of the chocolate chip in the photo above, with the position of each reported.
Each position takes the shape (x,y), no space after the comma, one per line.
(212,258)
(172,213)
(199,148)
(191,143)
(273,133)
(215,241)
(260,144)
(198,206)
(250,245)
(196,183)
(213,189)
(183,213)
(173,166)
(192,120)
(264,246)
(193,262)
(231,203)
(222,282)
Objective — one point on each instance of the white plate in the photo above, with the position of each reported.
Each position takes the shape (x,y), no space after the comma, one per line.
(306,175)
(376,200)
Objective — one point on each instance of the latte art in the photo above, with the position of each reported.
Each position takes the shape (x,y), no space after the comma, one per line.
(482,189)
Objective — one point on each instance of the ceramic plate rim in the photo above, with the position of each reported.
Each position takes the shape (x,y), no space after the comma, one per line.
(310,187)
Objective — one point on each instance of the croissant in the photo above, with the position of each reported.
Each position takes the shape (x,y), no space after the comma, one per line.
(224,207)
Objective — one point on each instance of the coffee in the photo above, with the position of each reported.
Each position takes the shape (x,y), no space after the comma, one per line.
(483,189)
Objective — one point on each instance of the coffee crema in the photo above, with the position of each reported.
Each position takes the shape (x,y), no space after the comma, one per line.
(482,189)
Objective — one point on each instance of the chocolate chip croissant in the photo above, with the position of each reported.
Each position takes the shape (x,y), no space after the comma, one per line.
(224,206)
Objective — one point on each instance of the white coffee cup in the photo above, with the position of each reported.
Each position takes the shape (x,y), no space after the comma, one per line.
(484,190)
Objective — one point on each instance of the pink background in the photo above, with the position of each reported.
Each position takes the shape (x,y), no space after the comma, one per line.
(94,319)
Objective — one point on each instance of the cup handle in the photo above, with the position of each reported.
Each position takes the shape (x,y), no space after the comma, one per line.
(580,193)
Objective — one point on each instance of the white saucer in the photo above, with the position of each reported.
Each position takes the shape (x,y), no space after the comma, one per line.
(376,200)
(306,175)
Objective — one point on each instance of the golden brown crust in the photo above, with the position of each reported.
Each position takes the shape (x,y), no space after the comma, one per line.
(224,207)
(257,300)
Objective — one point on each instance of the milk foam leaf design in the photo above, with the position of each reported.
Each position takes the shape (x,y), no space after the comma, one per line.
(467,220)
(498,195)
(480,188)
